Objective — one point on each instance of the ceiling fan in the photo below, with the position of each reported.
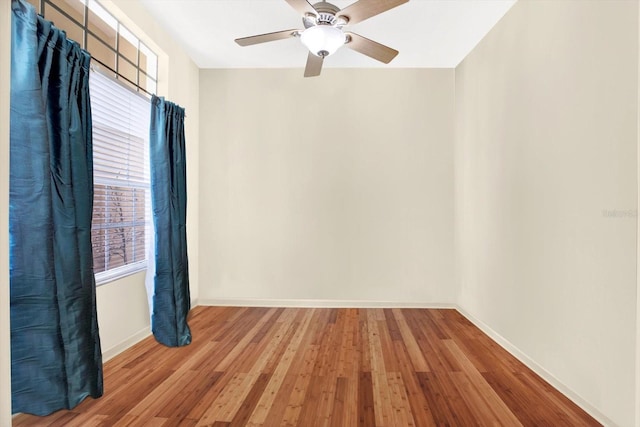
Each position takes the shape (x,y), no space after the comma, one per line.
(324,34)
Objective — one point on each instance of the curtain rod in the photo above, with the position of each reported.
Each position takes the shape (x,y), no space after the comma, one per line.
(100,69)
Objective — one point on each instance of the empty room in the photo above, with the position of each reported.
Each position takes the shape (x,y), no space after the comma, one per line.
(349,213)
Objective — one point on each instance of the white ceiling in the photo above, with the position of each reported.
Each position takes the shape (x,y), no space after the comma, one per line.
(428,33)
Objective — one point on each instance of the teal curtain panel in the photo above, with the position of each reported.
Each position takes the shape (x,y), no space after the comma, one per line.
(171,300)
(56,360)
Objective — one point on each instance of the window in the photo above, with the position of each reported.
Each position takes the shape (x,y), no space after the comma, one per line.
(121,178)
(123,70)
(118,51)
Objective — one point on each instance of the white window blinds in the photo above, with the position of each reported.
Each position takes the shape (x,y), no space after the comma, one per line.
(121,178)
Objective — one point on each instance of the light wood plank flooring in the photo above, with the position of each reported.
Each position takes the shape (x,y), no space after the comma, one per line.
(322,367)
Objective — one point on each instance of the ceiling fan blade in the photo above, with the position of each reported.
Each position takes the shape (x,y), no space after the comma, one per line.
(303,7)
(314,65)
(269,37)
(365,9)
(372,49)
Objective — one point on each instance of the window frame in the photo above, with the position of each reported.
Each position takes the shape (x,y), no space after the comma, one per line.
(110,275)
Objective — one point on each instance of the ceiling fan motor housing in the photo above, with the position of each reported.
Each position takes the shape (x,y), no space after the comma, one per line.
(326,15)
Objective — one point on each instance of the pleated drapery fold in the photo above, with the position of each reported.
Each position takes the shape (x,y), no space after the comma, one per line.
(56,360)
(171,299)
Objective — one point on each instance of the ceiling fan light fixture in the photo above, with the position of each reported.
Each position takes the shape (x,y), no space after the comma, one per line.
(323,40)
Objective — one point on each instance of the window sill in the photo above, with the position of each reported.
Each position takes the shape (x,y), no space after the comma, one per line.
(108,276)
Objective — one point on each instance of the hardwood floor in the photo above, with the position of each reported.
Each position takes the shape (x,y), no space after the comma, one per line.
(324,367)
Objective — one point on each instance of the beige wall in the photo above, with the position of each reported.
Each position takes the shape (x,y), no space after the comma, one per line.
(336,188)
(546,192)
(123,314)
(5,355)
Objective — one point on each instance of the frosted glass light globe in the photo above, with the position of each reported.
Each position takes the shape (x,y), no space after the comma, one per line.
(323,40)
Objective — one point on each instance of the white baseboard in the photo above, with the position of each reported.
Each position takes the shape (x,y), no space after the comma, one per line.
(318,303)
(538,369)
(125,344)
